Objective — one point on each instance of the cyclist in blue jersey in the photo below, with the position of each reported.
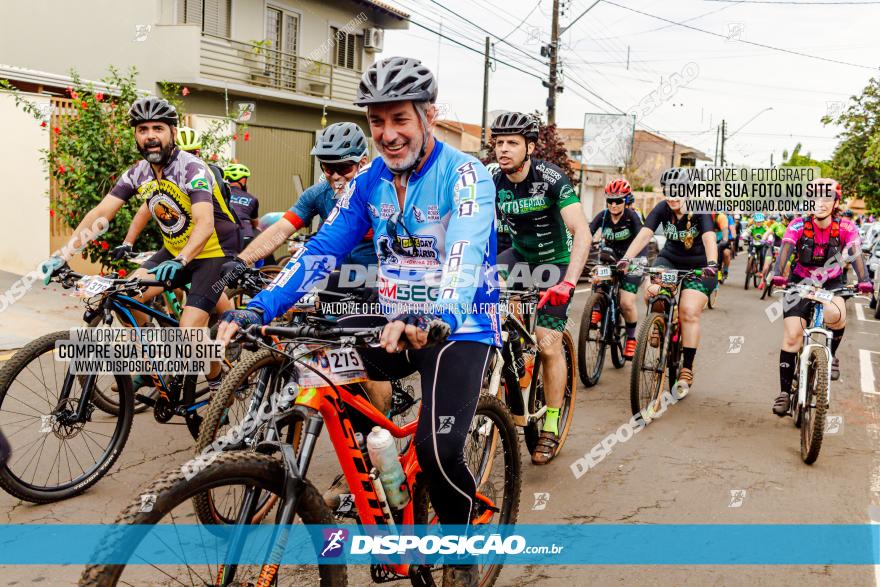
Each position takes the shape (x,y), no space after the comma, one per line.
(432,211)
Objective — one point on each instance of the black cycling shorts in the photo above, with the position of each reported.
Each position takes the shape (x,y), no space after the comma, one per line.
(552,317)
(793,305)
(704,284)
(202,275)
(451,377)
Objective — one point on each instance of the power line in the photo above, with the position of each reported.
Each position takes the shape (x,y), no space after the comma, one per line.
(771,47)
(491,34)
(523,21)
(791,2)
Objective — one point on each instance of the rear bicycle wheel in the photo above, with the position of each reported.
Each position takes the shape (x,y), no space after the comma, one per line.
(54,456)
(591,341)
(492,453)
(173,494)
(537,399)
(618,342)
(750,269)
(816,406)
(646,377)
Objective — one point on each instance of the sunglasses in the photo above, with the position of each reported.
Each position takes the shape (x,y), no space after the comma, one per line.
(343,168)
(615,200)
(394,224)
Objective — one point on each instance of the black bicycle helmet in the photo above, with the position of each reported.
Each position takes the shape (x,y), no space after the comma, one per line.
(152,108)
(516,123)
(343,141)
(396,79)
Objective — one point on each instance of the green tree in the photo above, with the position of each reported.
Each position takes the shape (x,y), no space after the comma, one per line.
(798,160)
(856,159)
(550,147)
(95,144)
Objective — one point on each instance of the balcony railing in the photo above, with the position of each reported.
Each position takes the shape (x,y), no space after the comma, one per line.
(246,63)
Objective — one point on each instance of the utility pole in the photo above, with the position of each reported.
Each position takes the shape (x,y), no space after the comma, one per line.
(485,95)
(717,136)
(553,50)
(672,159)
(723,138)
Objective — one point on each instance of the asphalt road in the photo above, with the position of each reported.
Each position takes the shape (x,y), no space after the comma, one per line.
(718,457)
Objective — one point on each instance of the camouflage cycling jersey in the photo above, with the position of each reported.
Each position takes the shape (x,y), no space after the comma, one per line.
(532,211)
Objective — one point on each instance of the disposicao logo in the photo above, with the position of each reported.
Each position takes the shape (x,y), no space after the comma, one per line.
(334,539)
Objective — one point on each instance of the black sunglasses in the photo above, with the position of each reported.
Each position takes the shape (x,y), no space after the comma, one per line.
(343,168)
(615,200)
(396,243)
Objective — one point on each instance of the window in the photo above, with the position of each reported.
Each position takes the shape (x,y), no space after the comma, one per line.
(348,49)
(212,15)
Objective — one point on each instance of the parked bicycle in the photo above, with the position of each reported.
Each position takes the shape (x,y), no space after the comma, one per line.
(812,387)
(491,450)
(658,354)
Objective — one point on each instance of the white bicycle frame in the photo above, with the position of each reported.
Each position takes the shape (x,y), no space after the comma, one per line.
(804,362)
(495,380)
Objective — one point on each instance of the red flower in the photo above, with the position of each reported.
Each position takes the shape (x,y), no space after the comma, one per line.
(51,213)
(74,95)
(185,91)
(247,136)
(234,137)
(123,273)
(43,124)
(99,96)
(214,157)
(56,130)
(69,90)
(61,169)
(104,245)
(83,104)
(112,178)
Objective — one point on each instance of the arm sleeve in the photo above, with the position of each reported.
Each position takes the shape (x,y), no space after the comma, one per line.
(471,225)
(339,234)
(782,258)
(655,218)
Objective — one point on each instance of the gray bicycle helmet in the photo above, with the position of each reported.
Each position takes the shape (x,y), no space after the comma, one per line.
(343,141)
(672,175)
(152,108)
(396,79)
(516,123)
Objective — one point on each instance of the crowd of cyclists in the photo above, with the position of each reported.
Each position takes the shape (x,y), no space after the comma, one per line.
(424,215)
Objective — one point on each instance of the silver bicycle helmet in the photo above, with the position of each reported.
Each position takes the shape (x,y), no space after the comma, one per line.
(152,108)
(396,79)
(343,141)
(516,123)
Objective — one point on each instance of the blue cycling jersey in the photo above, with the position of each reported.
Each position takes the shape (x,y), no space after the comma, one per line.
(437,253)
(320,199)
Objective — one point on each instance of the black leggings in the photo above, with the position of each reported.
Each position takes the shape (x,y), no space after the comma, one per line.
(451,377)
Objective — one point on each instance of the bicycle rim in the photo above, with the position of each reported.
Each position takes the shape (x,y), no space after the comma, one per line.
(647,373)
(591,342)
(813,424)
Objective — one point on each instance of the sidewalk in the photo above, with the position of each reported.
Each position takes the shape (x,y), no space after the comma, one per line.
(40,311)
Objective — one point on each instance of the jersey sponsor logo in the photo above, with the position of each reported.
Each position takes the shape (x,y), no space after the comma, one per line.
(524,205)
(542,245)
(404,291)
(414,251)
(373,211)
(388,211)
(433,213)
(452,270)
(672,232)
(566,192)
(418,214)
(242,200)
(467,174)
(168,213)
(199,183)
(540,234)
(538,188)
(548,174)
(609,233)
(466,198)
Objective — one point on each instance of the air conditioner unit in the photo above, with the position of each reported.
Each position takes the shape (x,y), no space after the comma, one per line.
(373,40)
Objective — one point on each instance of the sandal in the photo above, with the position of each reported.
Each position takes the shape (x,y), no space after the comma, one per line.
(548,443)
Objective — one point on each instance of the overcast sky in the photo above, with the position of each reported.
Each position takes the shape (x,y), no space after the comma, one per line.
(736,81)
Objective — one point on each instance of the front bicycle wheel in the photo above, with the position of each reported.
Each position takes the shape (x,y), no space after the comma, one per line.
(491,451)
(816,405)
(55,454)
(223,423)
(750,269)
(537,399)
(591,339)
(170,500)
(646,377)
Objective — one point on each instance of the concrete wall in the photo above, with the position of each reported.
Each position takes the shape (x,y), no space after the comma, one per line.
(24,195)
(54,36)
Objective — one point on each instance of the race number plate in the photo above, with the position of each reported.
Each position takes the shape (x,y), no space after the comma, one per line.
(603,271)
(669,278)
(344,360)
(823,295)
(92,285)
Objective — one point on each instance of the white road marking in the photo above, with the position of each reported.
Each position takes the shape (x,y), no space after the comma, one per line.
(860,312)
(582,290)
(867,372)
